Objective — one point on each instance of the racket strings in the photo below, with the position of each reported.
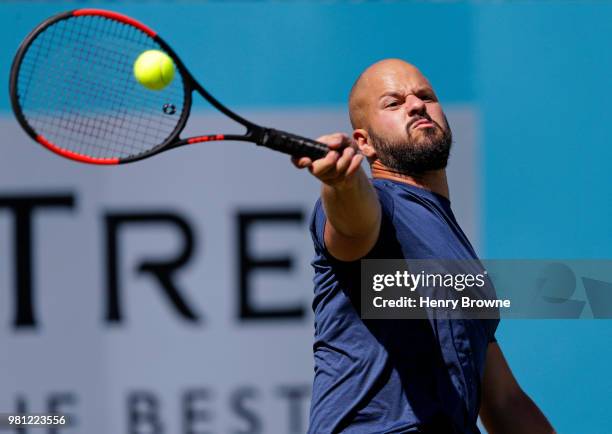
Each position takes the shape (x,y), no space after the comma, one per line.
(114,56)
(96,130)
(76,87)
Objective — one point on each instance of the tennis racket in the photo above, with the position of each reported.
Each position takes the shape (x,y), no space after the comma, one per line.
(73,90)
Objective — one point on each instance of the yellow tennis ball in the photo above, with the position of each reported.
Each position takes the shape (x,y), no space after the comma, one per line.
(154,69)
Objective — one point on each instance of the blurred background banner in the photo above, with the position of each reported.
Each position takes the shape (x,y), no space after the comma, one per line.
(173,295)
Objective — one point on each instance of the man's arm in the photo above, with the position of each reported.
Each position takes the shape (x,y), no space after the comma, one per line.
(349,199)
(505,407)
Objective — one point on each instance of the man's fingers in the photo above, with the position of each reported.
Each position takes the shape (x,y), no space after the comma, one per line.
(334,141)
(355,164)
(348,141)
(341,161)
(301,162)
(326,164)
(345,160)
(330,138)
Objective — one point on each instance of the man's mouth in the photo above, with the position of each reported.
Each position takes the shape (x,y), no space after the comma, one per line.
(422,123)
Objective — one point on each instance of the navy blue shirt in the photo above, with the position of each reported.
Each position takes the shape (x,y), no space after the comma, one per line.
(394,376)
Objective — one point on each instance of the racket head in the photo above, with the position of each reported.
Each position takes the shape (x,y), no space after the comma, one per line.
(73,90)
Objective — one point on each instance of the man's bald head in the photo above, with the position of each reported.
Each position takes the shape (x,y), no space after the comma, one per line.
(364,90)
(397,118)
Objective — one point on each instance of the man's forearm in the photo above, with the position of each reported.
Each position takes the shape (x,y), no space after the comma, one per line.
(352,207)
(519,415)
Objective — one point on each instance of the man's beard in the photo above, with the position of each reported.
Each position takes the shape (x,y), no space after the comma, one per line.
(424,150)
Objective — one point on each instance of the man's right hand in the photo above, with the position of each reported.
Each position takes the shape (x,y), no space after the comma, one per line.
(349,199)
(340,164)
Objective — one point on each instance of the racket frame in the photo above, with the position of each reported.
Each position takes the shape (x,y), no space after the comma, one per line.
(274,139)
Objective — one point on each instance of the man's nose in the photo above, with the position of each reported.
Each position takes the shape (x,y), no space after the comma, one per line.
(415,105)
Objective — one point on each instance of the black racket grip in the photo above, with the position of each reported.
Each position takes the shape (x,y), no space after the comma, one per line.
(296,146)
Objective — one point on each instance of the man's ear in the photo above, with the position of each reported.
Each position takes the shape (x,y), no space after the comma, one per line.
(362,138)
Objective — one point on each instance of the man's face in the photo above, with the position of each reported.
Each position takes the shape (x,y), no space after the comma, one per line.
(405,121)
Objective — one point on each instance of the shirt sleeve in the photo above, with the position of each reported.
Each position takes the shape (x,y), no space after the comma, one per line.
(318,220)
(317,227)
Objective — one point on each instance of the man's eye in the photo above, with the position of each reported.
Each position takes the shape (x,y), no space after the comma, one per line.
(393,104)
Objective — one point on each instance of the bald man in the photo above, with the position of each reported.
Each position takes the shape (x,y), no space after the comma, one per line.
(391,376)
